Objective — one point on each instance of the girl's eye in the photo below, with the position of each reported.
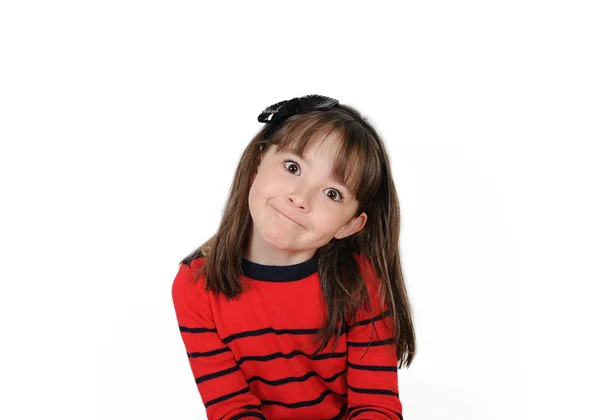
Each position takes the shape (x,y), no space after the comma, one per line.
(339,193)
(294,164)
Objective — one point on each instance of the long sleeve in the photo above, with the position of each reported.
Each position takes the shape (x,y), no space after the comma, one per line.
(372,376)
(221,384)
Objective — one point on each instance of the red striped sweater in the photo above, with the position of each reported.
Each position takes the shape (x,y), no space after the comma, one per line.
(251,357)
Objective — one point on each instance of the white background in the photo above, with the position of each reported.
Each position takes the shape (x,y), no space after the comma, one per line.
(122,122)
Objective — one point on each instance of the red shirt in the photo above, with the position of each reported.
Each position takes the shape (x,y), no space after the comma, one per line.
(251,357)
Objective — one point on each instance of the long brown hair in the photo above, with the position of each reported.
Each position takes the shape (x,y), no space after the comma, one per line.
(363,164)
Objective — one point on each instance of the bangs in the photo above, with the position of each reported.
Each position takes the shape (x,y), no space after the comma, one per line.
(353,157)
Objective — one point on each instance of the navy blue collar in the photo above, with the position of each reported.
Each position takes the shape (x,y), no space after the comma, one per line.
(279,272)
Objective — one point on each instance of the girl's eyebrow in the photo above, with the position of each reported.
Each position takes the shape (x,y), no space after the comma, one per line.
(339,181)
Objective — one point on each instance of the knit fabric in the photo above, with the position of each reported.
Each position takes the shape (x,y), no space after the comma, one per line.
(251,357)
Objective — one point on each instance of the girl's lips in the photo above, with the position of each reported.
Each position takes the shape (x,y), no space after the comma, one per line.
(284,215)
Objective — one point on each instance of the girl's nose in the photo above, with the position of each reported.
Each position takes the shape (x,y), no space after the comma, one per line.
(299,198)
(296,200)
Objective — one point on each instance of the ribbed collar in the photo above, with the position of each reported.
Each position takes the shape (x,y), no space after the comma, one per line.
(279,272)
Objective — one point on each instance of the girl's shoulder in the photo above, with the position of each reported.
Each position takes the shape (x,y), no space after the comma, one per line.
(188,274)
(188,278)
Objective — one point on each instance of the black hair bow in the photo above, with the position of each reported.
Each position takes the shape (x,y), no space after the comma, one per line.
(293,106)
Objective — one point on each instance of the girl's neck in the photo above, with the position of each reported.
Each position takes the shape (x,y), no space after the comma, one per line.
(261,252)
(269,256)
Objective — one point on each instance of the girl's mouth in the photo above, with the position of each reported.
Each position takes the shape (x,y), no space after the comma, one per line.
(282,214)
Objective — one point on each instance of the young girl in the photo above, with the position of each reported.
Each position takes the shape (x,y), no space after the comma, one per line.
(306,253)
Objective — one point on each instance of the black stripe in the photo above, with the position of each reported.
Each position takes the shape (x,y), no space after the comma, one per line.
(368,321)
(306,403)
(377,368)
(217,374)
(208,353)
(363,408)
(341,414)
(248,414)
(370,343)
(290,379)
(251,333)
(271,382)
(294,353)
(226,397)
(372,391)
(356,413)
(196,330)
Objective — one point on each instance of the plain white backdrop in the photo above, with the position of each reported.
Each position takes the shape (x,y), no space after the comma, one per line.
(122,122)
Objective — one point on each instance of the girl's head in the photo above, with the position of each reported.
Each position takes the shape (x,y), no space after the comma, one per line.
(310,184)
(310,179)
(315,181)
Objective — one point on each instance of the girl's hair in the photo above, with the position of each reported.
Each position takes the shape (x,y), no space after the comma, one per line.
(362,163)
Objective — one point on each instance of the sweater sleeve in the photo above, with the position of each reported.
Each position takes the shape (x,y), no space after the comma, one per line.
(221,384)
(372,370)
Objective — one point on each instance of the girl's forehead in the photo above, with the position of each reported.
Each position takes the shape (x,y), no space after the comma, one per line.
(316,145)
(322,155)
(311,156)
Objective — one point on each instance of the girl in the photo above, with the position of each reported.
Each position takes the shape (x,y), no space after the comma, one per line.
(306,252)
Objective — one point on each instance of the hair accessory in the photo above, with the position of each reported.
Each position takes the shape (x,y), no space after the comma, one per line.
(293,106)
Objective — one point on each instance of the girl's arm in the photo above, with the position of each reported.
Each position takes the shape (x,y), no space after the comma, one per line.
(372,376)
(222,387)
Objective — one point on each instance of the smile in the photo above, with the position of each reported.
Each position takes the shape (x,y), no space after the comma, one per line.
(287,217)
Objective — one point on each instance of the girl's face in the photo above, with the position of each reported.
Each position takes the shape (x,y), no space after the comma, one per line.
(297,207)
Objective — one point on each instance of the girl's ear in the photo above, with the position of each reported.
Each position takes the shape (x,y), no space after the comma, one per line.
(353,226)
